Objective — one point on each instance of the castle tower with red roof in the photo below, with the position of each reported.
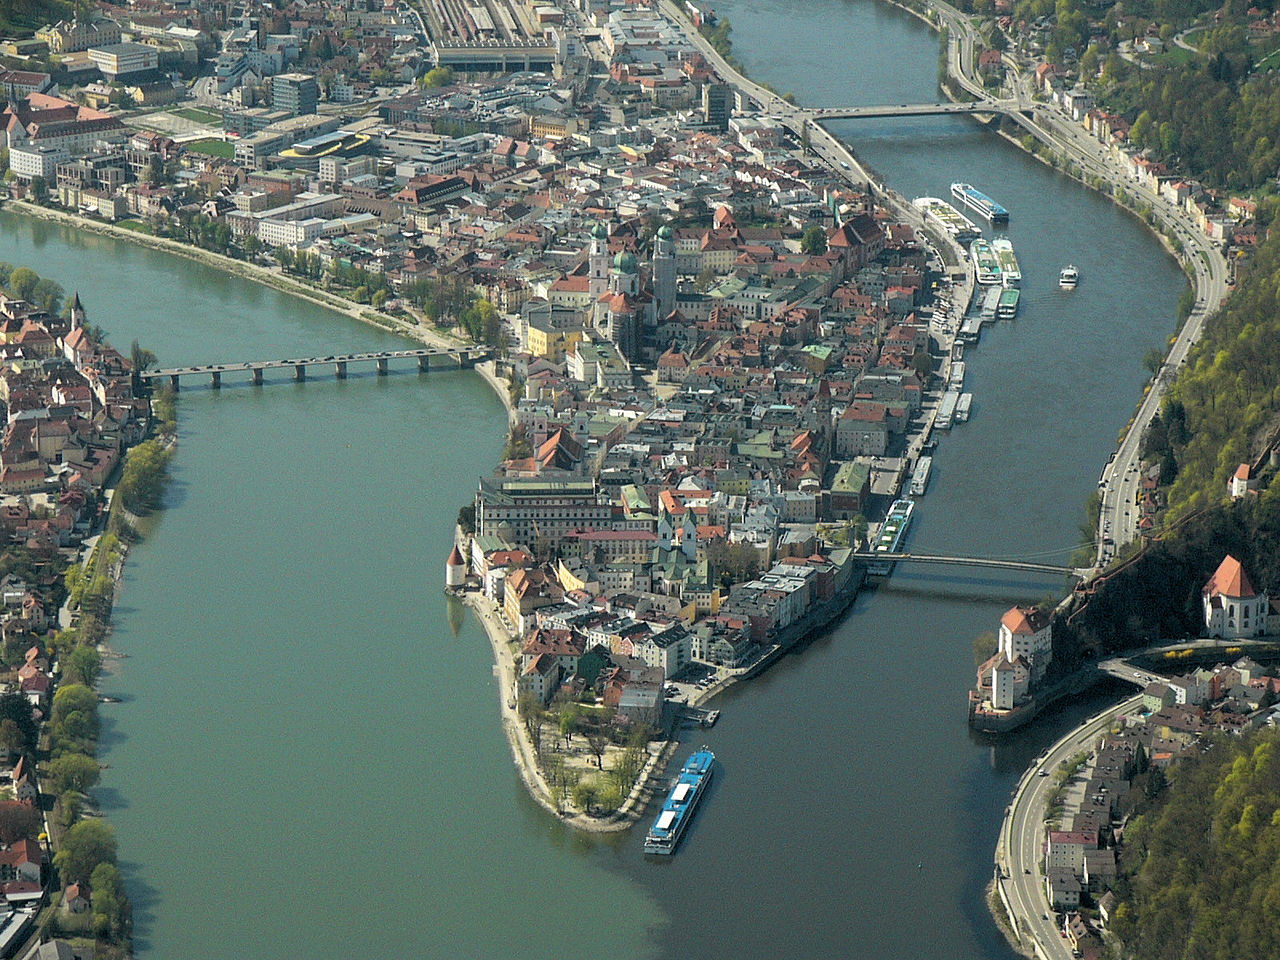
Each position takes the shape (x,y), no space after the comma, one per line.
(1027,632)
(455,569)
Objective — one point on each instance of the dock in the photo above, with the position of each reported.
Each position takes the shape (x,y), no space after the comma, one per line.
(697,715)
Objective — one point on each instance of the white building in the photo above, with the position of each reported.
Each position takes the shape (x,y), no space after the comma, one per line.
(669,650)
(1232,608)
(1242,482)
(36,161)
(1009,680)
(290,233)
(122,59)
(1027,632)
(1065,851)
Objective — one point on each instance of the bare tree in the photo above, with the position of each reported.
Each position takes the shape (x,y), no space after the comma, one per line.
(598,742)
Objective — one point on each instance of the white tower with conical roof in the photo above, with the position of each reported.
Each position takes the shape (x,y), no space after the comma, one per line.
(598,262)
(76,312)
(664,272)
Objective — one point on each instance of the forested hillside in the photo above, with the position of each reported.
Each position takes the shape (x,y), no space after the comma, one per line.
(1225,404)
(1212,116)
(1202,865)
(1209,105)
(22,17)
(1223,410)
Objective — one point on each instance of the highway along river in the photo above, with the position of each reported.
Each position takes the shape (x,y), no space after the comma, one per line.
(308,759)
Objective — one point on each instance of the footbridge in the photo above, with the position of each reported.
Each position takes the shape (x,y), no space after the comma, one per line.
(990,563)
(429,358)
(913,110)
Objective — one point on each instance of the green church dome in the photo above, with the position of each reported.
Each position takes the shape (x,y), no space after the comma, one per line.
(625,262)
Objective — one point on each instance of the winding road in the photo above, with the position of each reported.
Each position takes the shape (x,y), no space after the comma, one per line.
(1022,836)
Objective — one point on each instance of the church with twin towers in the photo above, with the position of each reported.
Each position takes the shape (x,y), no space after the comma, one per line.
(622,309)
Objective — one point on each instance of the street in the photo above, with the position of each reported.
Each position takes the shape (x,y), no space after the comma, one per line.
(1022,836)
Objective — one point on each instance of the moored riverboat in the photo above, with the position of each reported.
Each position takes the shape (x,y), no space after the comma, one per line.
(892,533)
(1010,272)
(979,203)
(677,810)
(985,265)
(1007,308)
(947,217)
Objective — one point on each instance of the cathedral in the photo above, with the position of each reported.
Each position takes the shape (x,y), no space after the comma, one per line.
(624,310)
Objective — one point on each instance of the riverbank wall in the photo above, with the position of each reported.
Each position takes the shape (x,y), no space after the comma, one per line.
(277,280)
(522,749)
(1020,716)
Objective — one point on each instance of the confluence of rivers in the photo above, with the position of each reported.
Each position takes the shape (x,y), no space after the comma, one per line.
(308,759)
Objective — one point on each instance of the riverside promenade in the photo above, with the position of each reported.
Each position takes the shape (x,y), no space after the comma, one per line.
(522,749)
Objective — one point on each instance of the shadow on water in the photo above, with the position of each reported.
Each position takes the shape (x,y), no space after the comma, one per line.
(1013,753)
(560,834)
(145,900)
(109,733)
(176,492)
(949,586)
(109,800)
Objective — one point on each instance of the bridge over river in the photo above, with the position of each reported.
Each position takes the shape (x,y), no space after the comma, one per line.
(990,563)
(911,110)
(428,358)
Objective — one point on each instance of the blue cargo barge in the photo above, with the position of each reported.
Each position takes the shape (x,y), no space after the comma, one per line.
(677,809)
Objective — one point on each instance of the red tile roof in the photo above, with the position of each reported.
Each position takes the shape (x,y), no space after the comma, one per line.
(1229,580)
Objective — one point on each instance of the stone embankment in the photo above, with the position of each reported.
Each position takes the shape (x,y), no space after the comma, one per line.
(522,750)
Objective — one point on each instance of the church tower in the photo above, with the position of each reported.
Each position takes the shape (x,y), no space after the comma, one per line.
(625,276)
(76,312)
(622,320)
(664,272)
(598,262)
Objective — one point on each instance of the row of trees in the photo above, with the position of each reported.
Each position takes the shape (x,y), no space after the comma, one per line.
(200,231)
(87,846)
(146,470)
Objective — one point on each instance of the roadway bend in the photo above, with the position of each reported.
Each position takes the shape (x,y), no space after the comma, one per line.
(1020,844)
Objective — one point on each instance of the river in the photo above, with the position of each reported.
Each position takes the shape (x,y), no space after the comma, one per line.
(308,759)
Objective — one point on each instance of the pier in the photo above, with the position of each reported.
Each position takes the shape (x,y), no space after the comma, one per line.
(698,716)
(429,358)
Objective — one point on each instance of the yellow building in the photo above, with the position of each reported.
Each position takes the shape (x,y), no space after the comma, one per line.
(551,343)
